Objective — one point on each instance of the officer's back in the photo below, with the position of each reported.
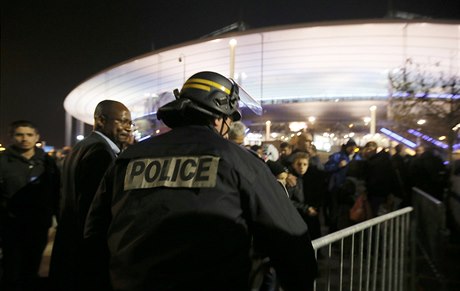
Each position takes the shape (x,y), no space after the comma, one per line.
(188,206)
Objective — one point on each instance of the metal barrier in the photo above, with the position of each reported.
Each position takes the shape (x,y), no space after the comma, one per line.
(431,230)
(372,255)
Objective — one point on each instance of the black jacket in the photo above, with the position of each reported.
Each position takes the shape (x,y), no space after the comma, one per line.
(29,189)
(182,210)
(83,170)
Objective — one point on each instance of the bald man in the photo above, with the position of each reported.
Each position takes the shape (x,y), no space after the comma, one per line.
(83,170)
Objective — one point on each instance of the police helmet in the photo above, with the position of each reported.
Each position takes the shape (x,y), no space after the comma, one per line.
(214,92)
(206,94)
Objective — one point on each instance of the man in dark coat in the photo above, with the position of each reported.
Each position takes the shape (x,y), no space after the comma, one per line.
(381,179)
(29,189)
(429,173)
(185,207)
(82,173)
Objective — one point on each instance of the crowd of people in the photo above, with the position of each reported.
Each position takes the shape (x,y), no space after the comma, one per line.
(331,187)
(191,209)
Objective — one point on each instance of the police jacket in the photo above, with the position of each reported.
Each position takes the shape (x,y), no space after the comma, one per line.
(182,210)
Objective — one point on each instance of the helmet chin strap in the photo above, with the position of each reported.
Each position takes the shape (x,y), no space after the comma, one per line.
(221,129)
(224,122)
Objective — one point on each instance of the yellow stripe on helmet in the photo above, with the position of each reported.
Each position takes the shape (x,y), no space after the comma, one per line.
(210,83)
(197,86)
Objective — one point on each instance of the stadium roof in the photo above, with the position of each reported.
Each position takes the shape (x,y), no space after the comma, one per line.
(292,70)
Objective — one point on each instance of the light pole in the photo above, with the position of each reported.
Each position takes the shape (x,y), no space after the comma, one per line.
(232,44)
(373,110)
(268,125)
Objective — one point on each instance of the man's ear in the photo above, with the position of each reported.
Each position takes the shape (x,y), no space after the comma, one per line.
(99,122)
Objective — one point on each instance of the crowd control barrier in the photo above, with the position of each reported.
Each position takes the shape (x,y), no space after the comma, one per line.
(376,254)
(432,234)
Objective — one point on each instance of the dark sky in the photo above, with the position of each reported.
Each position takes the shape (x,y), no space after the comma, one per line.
(49,47)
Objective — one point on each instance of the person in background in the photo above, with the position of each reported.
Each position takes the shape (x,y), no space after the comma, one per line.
(237,132)
(428,173)
(303,142)
(29,190)
(259,150)
(302,198)
(280,172)
(187,207)
(401,166)
(336,168)
(381,179)
(314,158)
(285,153)
(82,173)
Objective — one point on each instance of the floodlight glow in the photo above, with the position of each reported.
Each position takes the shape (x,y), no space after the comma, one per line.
(296,126)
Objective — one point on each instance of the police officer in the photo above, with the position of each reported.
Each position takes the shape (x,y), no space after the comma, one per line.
(186,207)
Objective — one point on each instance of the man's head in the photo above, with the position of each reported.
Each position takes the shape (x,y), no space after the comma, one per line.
(350,146)
(24,135)
(259,150)
(237,132)
(278,170)
(113,119)
(304,141)
(206,98)
(300,163)
(370,149)
(285,149)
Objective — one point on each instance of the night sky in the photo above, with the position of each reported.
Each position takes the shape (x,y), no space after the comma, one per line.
(49,47)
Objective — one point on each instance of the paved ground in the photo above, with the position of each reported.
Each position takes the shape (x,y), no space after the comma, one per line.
(445,277)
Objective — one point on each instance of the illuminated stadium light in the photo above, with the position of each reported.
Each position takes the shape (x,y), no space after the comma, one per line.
(428,138)
(430,95)
(398,138)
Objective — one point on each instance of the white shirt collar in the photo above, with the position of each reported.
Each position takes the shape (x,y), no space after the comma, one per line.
(112,145)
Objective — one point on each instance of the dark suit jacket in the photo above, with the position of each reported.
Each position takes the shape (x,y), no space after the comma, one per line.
(83,170)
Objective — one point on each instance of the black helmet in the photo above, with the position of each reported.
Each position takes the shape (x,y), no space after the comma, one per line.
(214,92)
(206,95)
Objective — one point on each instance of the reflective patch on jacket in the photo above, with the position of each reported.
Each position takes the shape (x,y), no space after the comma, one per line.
(186,171)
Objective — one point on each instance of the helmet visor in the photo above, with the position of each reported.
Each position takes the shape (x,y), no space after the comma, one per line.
(248,101)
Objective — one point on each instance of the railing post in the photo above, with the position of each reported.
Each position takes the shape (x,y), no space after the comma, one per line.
(413,251)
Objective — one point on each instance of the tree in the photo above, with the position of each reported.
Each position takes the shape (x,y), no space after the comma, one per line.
(425,91)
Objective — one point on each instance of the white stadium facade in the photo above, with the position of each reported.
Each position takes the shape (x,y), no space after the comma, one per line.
(332,71)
